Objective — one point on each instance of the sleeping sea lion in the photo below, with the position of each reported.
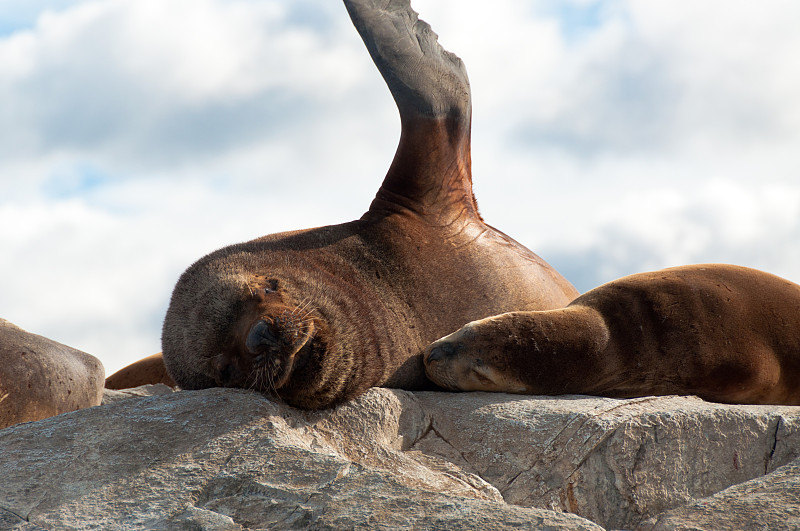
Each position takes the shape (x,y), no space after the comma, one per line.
(317,316)
(725,333)
(40,378)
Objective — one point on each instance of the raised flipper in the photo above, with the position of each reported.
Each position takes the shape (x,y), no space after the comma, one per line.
(318,316)
(431,171)
(424,78)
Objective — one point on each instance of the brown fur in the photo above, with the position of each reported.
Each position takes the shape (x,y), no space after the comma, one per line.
(724,333)
(40,378)
(317,316)
(149,370)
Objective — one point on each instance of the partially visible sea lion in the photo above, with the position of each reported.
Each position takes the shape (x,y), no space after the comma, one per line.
(149,370)
(318,316)
(40,378)
(725,333)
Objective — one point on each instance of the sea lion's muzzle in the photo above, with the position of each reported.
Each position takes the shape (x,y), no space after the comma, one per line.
(261,337)
(271,350)
(440,352)
(453,362)
(438,358)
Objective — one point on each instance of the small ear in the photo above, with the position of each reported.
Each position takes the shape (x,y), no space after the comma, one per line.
(424,78)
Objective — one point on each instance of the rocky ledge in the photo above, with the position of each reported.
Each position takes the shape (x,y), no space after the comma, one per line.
(231,459)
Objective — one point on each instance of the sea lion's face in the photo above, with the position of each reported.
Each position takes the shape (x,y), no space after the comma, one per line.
(228,327)
(290,327)
(271,339)
(461,361)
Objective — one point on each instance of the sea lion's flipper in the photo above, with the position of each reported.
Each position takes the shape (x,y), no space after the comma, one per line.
(424,78)
(431,89)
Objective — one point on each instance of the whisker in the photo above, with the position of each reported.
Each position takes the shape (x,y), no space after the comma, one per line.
(306,307)
(303,305)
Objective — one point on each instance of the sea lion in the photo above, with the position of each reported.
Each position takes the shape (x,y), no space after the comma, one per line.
(149,370)
(725,333)
(40,378)
(317,316)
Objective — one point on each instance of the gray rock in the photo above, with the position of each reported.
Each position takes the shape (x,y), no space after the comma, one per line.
(615,462)
(230,459)
(769,503)
(111,396)
(11,522)
(40,378)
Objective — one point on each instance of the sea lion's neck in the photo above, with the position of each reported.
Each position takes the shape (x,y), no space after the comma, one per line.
(431,174)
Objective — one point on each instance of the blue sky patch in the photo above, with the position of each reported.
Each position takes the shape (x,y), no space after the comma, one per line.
(78,180)
(309,13)
(576,18)
(20,15)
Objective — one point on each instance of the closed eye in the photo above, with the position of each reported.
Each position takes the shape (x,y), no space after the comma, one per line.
(481,378)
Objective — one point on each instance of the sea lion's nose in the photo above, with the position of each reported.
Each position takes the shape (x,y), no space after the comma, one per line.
(260,335)
(440,352)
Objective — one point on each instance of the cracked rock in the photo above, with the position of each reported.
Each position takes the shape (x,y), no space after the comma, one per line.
(615,462)
(226,459)
(771,502)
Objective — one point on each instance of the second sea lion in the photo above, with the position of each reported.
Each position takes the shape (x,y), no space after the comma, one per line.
(725,333)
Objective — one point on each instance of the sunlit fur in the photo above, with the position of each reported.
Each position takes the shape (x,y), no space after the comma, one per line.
(360,300)
(725,333)
(218,301)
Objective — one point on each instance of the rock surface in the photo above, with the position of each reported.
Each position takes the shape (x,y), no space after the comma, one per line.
(771,503)
(231,459)
(40,378)
(111,396)
(615,462)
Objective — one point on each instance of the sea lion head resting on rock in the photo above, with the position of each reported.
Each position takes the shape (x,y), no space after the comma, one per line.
(725,333)
(318,316)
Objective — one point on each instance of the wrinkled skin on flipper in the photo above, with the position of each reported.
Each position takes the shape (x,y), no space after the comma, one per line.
(725,333)
(318,316)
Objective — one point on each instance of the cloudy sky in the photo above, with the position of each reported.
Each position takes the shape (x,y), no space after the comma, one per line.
(610,137)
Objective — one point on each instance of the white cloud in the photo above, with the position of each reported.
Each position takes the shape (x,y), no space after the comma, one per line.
(653,136)
(154,82)
(611,137)
(719,221)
